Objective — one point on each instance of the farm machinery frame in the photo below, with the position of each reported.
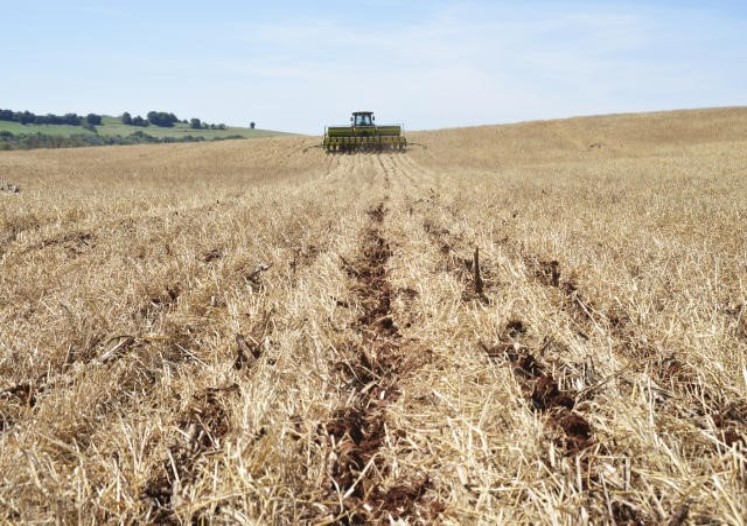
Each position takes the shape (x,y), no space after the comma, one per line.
(364,135)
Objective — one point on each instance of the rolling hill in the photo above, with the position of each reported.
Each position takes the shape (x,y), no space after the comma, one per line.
(535,323)
(113,127)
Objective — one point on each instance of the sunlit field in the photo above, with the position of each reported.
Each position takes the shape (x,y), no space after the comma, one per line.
(540,323)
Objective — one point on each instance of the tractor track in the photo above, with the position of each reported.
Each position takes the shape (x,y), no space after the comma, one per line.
(727,416)
(137,360)
(158,310)
(358,432)
(564,411)
(397,164)
(697,403)
(203,424)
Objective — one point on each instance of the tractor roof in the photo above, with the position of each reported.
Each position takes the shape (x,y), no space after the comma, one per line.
(362,113)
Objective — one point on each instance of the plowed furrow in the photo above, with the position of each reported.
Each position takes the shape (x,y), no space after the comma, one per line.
(574,433)
(203,424)
(358,431)
(726,416)
(567,413)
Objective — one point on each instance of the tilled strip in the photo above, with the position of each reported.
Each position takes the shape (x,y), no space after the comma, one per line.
(572,434)
(357,430)
(727,416)
(544,394)
(204,422)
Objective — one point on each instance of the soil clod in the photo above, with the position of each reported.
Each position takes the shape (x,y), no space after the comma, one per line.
(541,389)
(204,423)
(212,255)
(23,393)
(515,328)
(246,355)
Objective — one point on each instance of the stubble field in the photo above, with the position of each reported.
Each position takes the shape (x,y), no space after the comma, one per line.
(536,323)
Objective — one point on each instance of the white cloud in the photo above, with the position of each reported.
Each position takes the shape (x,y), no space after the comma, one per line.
(456,64)
(460,66)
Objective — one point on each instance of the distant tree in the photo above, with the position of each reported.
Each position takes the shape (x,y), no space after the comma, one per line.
(221,126)
(252,125)
(49,118)
(25,117)
(195,123)
(126,118)
(139,121)
(93,120)
(162,119)
(73,119)
(212,126)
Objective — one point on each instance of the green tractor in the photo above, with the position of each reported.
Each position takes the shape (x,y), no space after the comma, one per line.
(363,135)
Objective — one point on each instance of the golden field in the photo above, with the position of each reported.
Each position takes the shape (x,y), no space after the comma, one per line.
(539,323)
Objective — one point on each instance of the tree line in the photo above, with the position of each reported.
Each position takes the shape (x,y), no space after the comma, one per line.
(69,119)
(197,124)
(167,120)
(161,119)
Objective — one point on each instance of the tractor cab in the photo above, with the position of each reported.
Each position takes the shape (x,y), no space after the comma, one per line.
(362,118)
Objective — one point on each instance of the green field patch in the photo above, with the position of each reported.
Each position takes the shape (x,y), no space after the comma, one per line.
(16,136)
(59,130)
(113,127)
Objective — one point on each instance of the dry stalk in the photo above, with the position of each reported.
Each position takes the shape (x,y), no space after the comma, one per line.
(146,374)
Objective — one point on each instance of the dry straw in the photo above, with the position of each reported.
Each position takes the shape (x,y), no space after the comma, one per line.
(537,323)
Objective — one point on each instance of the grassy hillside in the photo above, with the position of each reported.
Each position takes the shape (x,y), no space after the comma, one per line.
(112,126)
(541,323)
(16,128)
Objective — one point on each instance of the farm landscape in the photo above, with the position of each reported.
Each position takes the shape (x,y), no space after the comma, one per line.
(534,323)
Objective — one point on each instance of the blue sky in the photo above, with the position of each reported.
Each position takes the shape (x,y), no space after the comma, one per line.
(295,66)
